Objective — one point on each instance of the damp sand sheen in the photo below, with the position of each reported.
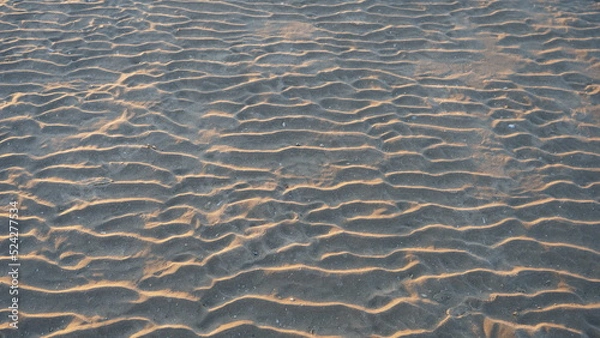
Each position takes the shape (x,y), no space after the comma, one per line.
(300,168)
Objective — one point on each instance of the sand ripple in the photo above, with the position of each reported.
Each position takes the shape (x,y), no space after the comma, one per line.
(303,169)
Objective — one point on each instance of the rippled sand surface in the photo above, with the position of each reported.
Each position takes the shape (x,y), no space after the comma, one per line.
(302,168)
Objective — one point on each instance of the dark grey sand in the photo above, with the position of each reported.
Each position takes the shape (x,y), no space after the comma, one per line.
(301,168)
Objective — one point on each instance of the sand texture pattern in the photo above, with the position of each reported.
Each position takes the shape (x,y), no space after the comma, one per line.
(372,168)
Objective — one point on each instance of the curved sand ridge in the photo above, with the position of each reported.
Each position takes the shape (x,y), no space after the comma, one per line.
(303,169)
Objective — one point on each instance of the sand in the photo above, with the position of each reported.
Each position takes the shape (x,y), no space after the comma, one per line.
(301,168)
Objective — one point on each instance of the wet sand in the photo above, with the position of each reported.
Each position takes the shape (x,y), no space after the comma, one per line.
(302,168)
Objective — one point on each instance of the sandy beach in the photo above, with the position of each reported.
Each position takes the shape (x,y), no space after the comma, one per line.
(300,168)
